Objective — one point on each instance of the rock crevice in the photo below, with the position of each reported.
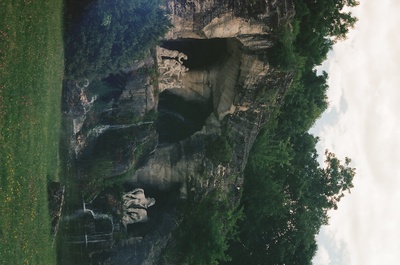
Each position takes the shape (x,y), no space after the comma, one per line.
(215,48)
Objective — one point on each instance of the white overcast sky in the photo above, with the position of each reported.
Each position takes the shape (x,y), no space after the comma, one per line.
(363,123)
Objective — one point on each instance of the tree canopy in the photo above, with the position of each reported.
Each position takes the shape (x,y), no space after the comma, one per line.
(322,23)
(287,193)
(306,40)
(109,35)
(286,197)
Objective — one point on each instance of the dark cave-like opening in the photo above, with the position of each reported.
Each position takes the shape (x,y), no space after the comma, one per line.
(166,201)
(202,53)
(179,118)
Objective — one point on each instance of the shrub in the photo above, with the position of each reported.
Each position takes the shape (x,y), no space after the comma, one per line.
(110,35)
(219,150)
(209,224)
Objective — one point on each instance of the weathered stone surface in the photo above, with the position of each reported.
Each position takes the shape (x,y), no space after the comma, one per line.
(248,22)
(136,198)
(137,98)
(239,83)
(232,85)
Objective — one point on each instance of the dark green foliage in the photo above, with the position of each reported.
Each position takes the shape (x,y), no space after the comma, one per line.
(286,197)
(287,194)
(283,54)
(304,42)
(219,150)
(301,45)
(109,35)
(304,103)
(209,223)
(321,24)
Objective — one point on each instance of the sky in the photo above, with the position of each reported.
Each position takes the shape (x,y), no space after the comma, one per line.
(363,123)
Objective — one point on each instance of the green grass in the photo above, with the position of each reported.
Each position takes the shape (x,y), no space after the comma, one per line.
(31,72)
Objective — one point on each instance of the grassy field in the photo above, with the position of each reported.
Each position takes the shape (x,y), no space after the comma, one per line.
(31,72)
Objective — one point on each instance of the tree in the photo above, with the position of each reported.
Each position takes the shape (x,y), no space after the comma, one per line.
(287,193)
(208,226)
(286,198)
(306,40)
(322,23)
(110,35)
(304,103)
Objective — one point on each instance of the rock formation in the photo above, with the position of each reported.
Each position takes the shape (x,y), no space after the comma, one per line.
(136,198)
(135,205)
(231,80)
(214,59)
(171,68)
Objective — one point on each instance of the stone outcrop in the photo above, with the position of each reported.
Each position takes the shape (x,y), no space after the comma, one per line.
(232,83)
(134,207)
(241,85)
(236,86)
(250,23)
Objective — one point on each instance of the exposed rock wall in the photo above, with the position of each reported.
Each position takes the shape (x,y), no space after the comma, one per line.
(232,82)
(250,23)
(241,85)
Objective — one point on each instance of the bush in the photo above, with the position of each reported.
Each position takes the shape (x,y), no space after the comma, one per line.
(283,54)
(209,223)
(220,150)
(110,35)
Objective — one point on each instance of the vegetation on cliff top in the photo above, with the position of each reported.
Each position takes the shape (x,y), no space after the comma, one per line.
(287,194)
(209,222)
(286,197)
(104,37)
(31,72)
(304,41)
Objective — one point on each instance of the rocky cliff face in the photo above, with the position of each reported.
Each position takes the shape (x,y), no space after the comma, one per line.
(232,79)
(216,48)
(248,22)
